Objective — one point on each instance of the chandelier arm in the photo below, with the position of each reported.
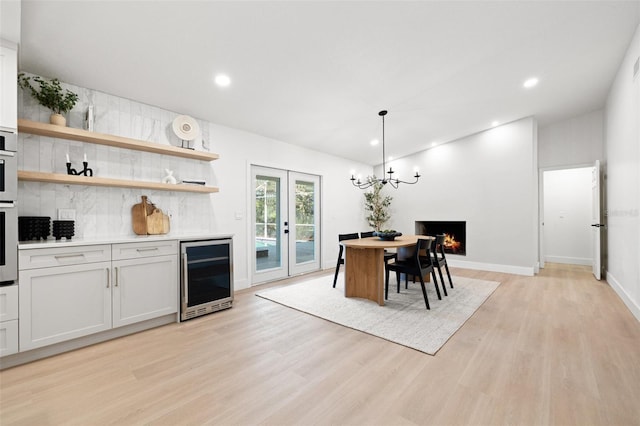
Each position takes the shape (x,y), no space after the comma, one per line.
(390,180)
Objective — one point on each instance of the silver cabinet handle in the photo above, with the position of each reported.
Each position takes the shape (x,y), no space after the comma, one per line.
(68,256)
(117,276)
(147,249)
(108,276)
(185,278)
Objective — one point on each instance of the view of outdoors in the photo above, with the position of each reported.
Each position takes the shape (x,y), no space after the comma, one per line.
(268,222)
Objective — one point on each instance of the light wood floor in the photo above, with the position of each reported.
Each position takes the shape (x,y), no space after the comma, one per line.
(559,348)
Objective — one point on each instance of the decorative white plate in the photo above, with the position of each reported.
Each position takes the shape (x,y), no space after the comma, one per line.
(186,128)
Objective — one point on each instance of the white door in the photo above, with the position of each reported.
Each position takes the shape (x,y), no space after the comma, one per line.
(304,223)
(286,223)
(596,223)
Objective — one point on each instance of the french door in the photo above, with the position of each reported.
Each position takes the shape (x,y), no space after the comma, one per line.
(286,223)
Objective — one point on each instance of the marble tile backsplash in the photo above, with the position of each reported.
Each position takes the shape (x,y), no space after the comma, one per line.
(105,212)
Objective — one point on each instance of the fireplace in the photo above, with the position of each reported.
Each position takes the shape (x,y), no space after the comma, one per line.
(455,234)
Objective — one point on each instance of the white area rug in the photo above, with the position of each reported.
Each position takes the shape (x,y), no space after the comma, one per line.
(404,319)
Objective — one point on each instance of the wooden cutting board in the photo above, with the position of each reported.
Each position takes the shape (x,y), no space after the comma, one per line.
(139,213)
(157,223)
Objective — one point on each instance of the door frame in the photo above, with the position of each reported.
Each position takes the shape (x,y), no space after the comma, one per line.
(541,252)
(250,225)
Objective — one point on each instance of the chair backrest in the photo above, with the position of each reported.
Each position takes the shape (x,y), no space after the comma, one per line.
(342,237)
(438,245)
(423,261)
(366,234)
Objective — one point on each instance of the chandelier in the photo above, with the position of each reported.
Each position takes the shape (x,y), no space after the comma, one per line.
(394,182)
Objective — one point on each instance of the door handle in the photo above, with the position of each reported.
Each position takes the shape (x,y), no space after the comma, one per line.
(598,225)
(185,278)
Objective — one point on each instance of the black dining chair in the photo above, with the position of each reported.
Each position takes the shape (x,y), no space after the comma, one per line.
(342,237)
(414,265)
(388,255)
(438,259)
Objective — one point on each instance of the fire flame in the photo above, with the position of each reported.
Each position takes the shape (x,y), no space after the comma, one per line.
(451,243)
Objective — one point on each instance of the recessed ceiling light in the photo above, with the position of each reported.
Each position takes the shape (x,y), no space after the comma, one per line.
(434,143)
(374,142)
(494,123)
(532,82)
(222,80)
(390,158)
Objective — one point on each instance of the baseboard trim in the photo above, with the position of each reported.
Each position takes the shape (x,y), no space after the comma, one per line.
(626,299)
(493,267)
(569,260)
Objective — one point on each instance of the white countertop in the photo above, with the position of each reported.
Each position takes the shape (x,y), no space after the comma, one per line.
(51,242)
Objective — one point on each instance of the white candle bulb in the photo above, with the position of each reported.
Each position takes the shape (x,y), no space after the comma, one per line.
(68,161)
(85,158)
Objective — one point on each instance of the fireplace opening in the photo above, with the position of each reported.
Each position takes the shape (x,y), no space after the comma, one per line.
(455,240)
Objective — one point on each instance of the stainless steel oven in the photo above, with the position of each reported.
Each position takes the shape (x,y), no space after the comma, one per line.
(8,166)
(8,209)
(207,277)
(8,242)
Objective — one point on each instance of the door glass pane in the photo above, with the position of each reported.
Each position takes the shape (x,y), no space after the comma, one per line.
(268,221)
(305,231)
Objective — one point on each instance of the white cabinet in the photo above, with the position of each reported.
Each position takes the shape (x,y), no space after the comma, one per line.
(8,320)
(8,89)
(70,292)
(145,281)
(62,303)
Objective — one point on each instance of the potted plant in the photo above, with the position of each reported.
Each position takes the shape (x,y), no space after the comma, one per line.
(50,95)
(377,205)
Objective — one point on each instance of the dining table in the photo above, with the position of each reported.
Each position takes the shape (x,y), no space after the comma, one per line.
(364,264)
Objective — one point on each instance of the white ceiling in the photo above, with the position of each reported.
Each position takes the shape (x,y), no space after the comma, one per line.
(316,74)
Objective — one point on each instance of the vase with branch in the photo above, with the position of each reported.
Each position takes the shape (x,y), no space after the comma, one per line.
(377,205)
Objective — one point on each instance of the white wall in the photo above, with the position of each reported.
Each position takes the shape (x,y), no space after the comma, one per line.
(106,212)
(10,11)
(577,141)
(488,180)
(623,180)
(567,216)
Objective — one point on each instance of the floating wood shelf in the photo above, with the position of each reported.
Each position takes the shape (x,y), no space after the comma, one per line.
(50,130)
(98,181)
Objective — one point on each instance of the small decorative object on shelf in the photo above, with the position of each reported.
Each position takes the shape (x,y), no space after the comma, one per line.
(63,229)
(86,171)
(194,181)
(89,118)
(387,234)
(186,128)
(50,95)
(169,177)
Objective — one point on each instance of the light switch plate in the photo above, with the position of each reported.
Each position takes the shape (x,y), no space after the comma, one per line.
(66,214)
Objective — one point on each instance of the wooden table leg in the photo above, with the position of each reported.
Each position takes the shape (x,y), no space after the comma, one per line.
(364,274)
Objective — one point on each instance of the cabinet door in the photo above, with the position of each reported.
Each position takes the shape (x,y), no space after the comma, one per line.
(8,337)
(63,303)
(144,289)
(8,88)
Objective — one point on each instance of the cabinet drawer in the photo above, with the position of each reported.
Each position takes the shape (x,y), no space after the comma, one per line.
(8,337)
(9,303)
(47,257)
(141,250)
